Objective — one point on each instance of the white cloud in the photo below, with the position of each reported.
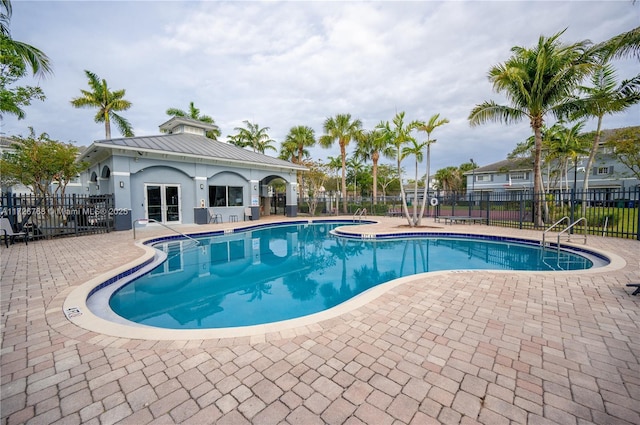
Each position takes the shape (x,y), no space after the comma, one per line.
(283,64)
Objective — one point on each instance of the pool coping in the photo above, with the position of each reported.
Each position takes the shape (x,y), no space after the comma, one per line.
(77,312)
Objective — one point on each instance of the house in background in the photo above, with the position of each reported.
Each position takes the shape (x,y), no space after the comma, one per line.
(181,176)
(609,177)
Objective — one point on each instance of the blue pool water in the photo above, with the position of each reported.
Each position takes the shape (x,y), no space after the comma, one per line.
(282,272)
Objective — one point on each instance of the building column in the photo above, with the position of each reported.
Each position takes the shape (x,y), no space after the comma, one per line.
(254,191)
(122,219)
(291,207)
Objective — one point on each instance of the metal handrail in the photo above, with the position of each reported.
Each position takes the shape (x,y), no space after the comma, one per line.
(552,227)
(570,227)
(359,213)
(163,225)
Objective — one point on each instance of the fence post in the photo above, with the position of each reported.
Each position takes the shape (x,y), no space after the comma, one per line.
(636,203)
(572,213)
(488,207)
(76,215)
(521,195)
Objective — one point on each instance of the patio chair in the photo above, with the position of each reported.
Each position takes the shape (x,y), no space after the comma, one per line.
(635,285)
(9,234)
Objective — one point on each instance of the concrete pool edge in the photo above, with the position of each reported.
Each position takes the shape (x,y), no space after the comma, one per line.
(77,312)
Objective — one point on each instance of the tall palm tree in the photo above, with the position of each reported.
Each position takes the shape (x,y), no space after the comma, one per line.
(253,136)
(107,102)
(604,97)
(194,114)
(538,81)
(298,140)
(296,143)
(398,136)
(370,146)
(343,129)
(415,149)
(434,122)
(31,56)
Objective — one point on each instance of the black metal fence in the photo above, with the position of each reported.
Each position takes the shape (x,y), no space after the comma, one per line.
(607,212)
(54,215)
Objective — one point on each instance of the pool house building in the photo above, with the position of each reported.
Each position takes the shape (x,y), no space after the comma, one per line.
(183,177)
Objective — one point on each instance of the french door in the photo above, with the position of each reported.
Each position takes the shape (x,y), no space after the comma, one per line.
(162,202)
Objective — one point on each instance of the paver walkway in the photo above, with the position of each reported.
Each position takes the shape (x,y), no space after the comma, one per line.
(459,347)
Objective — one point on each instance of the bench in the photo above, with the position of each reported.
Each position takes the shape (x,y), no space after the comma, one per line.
(394,213)
(451,219)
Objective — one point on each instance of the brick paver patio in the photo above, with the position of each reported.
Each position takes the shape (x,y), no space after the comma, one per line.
(457,347)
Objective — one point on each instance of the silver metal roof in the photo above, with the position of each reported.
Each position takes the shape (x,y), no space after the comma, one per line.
(184,144)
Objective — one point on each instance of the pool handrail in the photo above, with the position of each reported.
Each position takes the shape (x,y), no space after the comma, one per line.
(146,220)
(359,213)
(544,234)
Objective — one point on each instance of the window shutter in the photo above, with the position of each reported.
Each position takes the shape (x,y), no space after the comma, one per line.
(595,171)
(611,169)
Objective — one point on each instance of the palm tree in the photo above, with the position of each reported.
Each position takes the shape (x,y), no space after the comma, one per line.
(621,46)
(565,145)
(253,136)
(428,127)
(537,82)
(398,137)
(194,114)
(603,98)
(355,165)
(107,102)
(342,129)
(295,145)
(448,179)
(298,140)
(370,146)
(415,148)
(335,164)
(32,57)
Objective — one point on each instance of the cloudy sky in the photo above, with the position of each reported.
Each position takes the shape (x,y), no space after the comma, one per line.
(283,64)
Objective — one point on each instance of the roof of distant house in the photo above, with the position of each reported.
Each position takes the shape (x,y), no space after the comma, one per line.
(504,166)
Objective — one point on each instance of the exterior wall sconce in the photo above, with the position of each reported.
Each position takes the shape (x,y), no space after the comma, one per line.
(122,184)
(97,187)
(201,185)
(255,187)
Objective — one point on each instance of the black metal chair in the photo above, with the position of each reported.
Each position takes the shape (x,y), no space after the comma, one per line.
(9,234)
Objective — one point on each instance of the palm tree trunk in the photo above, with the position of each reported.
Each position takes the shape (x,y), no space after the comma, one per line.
(402,194)
(426,184)
(343,153)
(415,196)
(107,127)
(537,175)
(589,166)
(374,159)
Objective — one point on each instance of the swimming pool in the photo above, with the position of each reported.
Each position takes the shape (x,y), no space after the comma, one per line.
(278,272)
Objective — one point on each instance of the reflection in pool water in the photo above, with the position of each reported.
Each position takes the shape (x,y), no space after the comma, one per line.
(283,272)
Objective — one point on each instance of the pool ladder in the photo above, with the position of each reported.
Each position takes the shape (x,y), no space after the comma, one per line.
(147,220)
(359,213)
(565,231)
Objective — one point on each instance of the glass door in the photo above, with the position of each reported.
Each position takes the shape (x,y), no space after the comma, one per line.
(163,202)
(172,203)
(154,202)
